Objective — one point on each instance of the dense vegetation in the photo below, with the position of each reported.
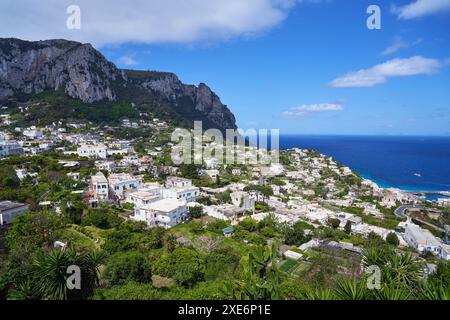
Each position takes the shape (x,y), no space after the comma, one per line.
(122,259)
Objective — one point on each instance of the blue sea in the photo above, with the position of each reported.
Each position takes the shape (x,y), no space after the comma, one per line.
(408,163)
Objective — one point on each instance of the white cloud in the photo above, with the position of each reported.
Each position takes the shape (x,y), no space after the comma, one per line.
(416,65)
(305,109)
(399,44)
(420,8)
(109,22)
(127,60)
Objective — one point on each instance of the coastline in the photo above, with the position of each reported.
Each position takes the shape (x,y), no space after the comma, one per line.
(399,157)
(386,185)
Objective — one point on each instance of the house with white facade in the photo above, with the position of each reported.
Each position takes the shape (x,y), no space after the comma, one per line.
(165,213)
(444,252)
(141,198)
(421,239)
(98,150)
(9,147)
(181,189)
(225,212)
(99,187)
(9,210)
(212,174)
(33,134)
(148,193)
(242,199)
(177,182)
(188,194)
(119,183)
(109,166)
(22,174)
(211,163)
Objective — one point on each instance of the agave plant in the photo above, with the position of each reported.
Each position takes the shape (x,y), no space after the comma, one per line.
(376,256)
(351,289)
(51,273)
(404,270)
(431,291)
(392,292)
(320,294)
(24,291)
(399,273)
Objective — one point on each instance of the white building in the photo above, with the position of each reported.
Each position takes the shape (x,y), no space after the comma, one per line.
(121,182)
(181,189)
(93,151)
(9,147)
(241,199)
(117,152)
(212,174)
(280,218)
(99,187)
(236,172)
(141,198)
(109,166)
(22,174)
(293,255)
(212,163)
(275,169)
(177,182)
(165,213)
(130,160)
(444,252)
(188,194)
(9,210)
(33,134)
(225,212)
(150,192)
(421,239)
(74,175)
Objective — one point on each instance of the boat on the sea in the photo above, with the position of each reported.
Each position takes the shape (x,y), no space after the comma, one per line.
(418,175)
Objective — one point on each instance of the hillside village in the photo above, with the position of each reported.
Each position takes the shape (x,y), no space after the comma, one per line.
(308,201)
(311,187)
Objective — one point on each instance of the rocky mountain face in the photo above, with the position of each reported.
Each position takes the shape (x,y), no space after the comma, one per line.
(83,73)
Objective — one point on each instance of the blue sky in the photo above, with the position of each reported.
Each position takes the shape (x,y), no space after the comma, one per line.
(293,65)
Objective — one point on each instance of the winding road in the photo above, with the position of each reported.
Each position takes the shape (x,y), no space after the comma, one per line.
(402,210)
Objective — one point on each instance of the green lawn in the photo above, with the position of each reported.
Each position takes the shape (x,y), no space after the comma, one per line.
(78,240)
(185,230)
(288,265)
